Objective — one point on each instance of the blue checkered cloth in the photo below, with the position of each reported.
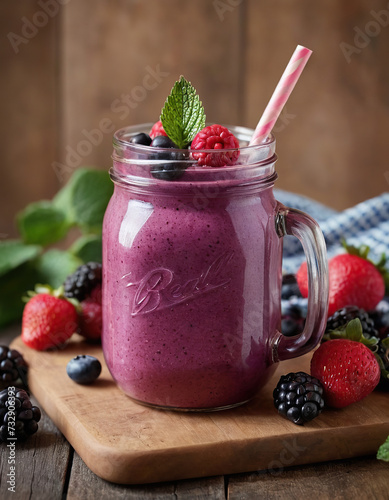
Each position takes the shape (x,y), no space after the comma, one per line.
(365,224)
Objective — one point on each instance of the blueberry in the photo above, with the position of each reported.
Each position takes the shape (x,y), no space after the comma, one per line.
(288,308)
(300,304)
(161,141)
(167,171)
(83,369)
(290,327)
(141,138)
(290,290)
(288,279)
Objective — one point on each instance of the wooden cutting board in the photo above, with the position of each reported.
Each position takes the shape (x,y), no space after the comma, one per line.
(124,442)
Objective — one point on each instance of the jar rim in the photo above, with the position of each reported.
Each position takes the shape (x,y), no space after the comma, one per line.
(121,140)
(137,163)
(241,133)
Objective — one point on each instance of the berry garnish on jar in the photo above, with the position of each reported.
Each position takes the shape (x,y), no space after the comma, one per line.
(218,138)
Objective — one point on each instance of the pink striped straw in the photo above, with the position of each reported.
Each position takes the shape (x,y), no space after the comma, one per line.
(281,94)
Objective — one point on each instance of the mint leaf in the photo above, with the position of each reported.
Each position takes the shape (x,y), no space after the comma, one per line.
(88,248)
(55,265)
(383,451)
(183,114)
(13,253)
(85,198)
(42,223)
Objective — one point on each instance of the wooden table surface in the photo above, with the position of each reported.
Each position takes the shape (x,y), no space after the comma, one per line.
(47,467)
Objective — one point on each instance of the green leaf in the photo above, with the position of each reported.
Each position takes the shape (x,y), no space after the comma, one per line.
(13,285)
(363,252)
(85,198)
(352,331)
(88,248)
(383,451)
(13,253)
(385,342)
(55,265)
(42,223)
(183,114)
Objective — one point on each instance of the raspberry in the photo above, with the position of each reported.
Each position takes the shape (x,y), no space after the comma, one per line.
(157,129)
(215,137)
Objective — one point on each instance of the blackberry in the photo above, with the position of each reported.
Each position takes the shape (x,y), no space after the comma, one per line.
(342,316)
(298,397)
(380,316)
(381,352)
(12,367)
(79,284)
(18,417)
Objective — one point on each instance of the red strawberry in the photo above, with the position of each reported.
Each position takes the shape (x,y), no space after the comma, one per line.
(353,280)
(90,318)
(48,321)
(347,369)
(157,129)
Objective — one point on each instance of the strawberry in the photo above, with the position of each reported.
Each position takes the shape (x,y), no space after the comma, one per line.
(90,319)
(49,320)
(353,280)
(157,129)
(347,369)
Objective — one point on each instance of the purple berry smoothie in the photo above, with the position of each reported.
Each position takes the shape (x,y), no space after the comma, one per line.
(191,292)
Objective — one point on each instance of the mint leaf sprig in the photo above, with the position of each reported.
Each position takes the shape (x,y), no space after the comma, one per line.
(183,114)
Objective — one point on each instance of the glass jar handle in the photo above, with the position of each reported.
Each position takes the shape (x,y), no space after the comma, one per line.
(296,223)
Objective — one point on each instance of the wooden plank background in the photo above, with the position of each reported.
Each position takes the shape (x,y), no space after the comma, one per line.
(89,70)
